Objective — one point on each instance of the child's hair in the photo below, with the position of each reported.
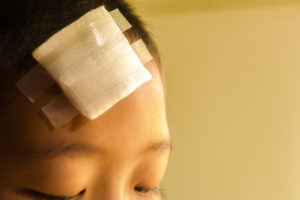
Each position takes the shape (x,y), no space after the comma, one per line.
(27,24)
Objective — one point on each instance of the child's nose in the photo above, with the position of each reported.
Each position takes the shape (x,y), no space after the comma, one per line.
(114,185)
(113,192)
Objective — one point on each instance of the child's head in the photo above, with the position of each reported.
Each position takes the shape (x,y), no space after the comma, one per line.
(121,155)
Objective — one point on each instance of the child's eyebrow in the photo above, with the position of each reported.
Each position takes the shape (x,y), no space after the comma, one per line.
(56,149)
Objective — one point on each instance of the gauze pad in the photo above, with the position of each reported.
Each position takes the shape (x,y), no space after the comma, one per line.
(59,111)
(93,62)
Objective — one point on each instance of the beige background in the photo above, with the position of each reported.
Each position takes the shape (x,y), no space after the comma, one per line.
(233,80)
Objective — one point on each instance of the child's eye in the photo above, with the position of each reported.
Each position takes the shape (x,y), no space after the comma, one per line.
(57,198)
(141,189)
(41,196)
(155,190)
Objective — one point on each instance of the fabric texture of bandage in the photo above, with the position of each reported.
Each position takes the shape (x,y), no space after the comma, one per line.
(93,63)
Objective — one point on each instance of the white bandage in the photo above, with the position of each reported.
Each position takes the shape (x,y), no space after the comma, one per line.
(93,63)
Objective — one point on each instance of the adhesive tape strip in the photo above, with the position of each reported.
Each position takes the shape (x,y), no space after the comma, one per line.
(53,111)
(111,71)
(34,84)
(141,51)
(120,20)
(59,111)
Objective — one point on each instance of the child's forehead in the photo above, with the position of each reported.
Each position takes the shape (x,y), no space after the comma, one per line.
(140,115)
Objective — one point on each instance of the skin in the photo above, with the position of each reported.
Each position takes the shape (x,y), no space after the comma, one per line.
(126,149)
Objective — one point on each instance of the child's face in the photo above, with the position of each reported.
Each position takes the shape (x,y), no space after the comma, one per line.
(120,155)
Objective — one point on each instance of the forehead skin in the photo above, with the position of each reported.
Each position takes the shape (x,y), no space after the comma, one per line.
(121,135)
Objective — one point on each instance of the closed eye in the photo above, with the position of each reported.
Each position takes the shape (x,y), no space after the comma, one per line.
(155,190)
(41,196)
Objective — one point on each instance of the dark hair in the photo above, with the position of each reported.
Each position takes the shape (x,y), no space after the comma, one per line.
(27,24)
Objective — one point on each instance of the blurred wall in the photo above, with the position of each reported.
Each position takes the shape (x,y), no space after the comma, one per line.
(176,6)
(233,95)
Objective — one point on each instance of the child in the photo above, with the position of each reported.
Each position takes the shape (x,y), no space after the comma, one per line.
(122,154)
